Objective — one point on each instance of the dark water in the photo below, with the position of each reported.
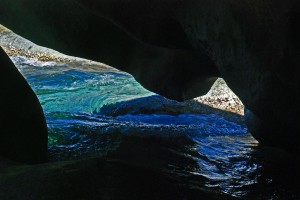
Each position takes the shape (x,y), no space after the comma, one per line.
(90,114)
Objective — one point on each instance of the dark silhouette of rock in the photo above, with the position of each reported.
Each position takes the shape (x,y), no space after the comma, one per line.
(23,127)
(123,174)
(83,33)
(254,44)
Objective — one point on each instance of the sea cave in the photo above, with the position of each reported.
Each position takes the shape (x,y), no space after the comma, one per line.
(128,99)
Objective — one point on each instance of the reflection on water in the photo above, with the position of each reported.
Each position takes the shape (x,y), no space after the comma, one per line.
(203,152)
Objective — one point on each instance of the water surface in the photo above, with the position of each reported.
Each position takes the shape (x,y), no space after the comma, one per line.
(90,114)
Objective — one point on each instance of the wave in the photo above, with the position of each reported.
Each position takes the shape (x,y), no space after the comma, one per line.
(110,115)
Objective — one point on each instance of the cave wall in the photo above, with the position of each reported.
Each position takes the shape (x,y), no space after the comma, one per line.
(170,46)
(23,132)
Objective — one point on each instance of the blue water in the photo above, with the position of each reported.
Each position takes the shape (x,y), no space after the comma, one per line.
(108,114)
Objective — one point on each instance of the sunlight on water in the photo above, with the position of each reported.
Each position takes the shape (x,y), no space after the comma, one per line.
(89,115)
(82,92)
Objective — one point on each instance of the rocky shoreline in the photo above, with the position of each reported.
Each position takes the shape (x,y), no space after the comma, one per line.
(15,45)
(219,100)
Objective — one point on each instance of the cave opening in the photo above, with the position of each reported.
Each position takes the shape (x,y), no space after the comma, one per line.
(94,111)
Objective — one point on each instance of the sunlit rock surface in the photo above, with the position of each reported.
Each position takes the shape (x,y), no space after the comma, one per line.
(16,45)
(219,97)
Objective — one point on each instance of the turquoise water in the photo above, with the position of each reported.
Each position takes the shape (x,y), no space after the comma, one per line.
(109,114)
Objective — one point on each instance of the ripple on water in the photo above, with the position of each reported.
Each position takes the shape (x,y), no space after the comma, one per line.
(201,151)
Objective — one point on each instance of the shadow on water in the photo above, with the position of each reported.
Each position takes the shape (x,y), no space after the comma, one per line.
(238,170)
(156,104)
(141,145)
